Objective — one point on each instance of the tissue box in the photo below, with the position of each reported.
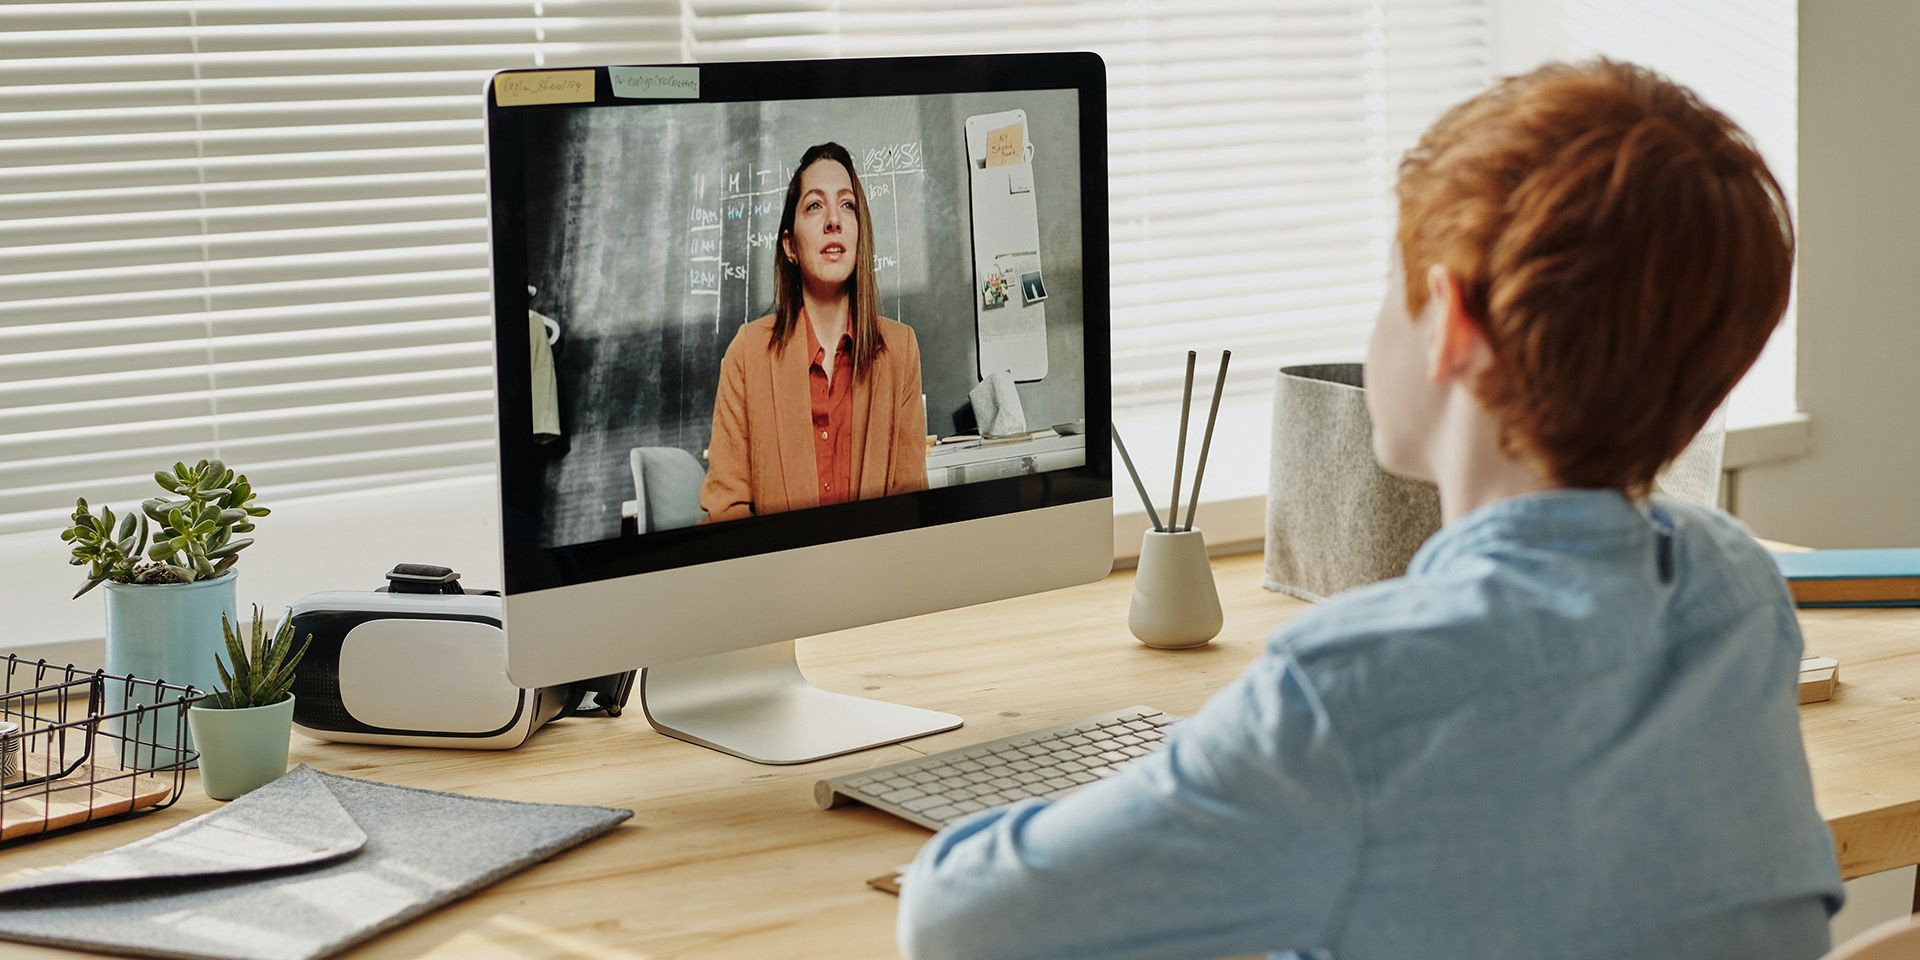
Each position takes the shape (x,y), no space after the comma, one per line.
(1335,520)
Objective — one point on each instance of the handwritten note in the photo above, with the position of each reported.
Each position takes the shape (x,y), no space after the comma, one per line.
(655,83)
(1007,145)
(544,86)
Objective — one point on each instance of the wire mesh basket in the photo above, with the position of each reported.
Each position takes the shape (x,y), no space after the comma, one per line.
(79,747)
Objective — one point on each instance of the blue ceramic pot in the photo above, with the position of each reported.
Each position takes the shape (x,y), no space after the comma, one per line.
(162,631)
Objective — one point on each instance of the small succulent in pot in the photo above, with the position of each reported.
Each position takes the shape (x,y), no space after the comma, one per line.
(259,673)
(200,520)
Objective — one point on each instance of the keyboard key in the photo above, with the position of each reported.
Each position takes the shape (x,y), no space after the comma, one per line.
(966,766)
(1061,783)
(1115,756)
(922,804)
(901,796)
(942,814)
(1135,751)
(970,806)
(1023,765)
(1081,777)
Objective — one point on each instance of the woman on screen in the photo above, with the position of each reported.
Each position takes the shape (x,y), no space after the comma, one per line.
(819,401)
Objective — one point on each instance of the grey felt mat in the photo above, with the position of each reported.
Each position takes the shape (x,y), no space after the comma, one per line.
(303,867)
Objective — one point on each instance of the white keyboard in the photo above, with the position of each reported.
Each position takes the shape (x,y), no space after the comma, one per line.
(936,790)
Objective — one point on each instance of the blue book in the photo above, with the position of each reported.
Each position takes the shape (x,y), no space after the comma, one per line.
(1853,578)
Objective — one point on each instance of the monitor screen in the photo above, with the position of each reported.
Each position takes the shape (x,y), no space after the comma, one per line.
(843,310)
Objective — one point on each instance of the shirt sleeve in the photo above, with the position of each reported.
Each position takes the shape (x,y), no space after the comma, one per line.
(1241,836)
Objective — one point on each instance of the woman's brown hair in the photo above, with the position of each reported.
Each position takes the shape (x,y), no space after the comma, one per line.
(863,322)
(1622,246)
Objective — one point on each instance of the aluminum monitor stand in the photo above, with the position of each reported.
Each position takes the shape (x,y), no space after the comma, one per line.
(756,705)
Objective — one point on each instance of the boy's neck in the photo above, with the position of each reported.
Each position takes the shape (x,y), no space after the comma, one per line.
(1470,468)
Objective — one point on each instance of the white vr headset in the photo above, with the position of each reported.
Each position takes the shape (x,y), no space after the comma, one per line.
(423,663)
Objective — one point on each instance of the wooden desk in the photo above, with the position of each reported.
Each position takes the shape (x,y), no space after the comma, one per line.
(724,858)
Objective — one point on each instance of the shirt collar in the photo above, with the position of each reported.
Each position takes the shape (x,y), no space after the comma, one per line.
(1576,521)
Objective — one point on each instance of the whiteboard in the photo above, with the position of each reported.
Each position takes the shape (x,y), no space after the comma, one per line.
(1009,277)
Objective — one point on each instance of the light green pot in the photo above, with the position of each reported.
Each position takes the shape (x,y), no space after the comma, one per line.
(241,749)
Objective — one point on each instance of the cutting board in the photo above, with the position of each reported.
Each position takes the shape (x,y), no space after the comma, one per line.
(75,798)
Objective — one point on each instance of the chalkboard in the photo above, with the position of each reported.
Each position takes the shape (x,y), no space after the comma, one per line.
(650,239)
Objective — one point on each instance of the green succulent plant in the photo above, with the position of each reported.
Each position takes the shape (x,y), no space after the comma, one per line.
(206,507)
(261,671)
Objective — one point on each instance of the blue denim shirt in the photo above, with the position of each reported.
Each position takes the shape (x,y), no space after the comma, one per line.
(1569,731)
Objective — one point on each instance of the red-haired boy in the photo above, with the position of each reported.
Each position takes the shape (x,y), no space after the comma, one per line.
(1570,730)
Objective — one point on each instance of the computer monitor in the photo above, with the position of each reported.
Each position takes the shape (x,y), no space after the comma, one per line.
(744,399)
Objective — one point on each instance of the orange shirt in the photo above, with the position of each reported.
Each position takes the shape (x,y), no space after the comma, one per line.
(832,417)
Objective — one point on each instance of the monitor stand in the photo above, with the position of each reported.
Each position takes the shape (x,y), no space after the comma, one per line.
(756,705)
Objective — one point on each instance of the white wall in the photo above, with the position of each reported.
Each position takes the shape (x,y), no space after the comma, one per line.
(1859,337)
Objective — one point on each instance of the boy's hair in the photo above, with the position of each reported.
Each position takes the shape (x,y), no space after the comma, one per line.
(1624,249)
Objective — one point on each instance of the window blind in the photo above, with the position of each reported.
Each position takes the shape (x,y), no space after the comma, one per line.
(1252,149)
(257,230)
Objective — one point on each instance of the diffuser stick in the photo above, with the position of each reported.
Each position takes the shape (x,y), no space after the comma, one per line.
(1152,514)
(1206,440)
(1180,454)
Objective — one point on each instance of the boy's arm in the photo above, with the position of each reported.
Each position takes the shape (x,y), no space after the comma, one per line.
(1241,836)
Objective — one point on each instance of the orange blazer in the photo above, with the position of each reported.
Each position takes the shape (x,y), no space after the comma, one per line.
(760,459)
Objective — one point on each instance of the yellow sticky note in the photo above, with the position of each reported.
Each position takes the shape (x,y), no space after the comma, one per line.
(1007,145)
(543,86)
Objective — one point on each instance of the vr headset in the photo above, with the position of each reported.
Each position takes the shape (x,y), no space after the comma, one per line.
(421,662)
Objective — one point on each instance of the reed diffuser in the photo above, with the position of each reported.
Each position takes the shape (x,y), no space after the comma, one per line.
(1175,603)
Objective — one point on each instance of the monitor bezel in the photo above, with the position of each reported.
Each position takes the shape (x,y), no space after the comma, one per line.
(529,566)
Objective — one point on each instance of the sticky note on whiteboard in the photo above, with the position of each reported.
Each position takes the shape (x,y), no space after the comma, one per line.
(1007,145)
(543,86)
(655,83)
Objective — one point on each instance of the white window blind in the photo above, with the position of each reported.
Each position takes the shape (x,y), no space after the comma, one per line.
(257,230)
(1252,152)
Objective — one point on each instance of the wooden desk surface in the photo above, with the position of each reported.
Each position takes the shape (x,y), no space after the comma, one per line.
(724,858)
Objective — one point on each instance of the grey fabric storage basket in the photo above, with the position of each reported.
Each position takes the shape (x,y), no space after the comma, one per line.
(1335,520)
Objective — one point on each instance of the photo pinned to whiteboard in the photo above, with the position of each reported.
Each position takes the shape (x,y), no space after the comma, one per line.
(1010,315)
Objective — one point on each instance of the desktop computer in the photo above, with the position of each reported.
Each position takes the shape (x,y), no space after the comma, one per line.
(785,348)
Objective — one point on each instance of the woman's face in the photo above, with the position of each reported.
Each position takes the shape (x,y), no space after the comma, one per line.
(826,230)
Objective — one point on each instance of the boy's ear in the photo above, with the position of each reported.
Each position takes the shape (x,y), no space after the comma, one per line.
(1457,348)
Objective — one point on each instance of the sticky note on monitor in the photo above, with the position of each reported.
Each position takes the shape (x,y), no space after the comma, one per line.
(655,83)
(543,86)
(1007,145)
